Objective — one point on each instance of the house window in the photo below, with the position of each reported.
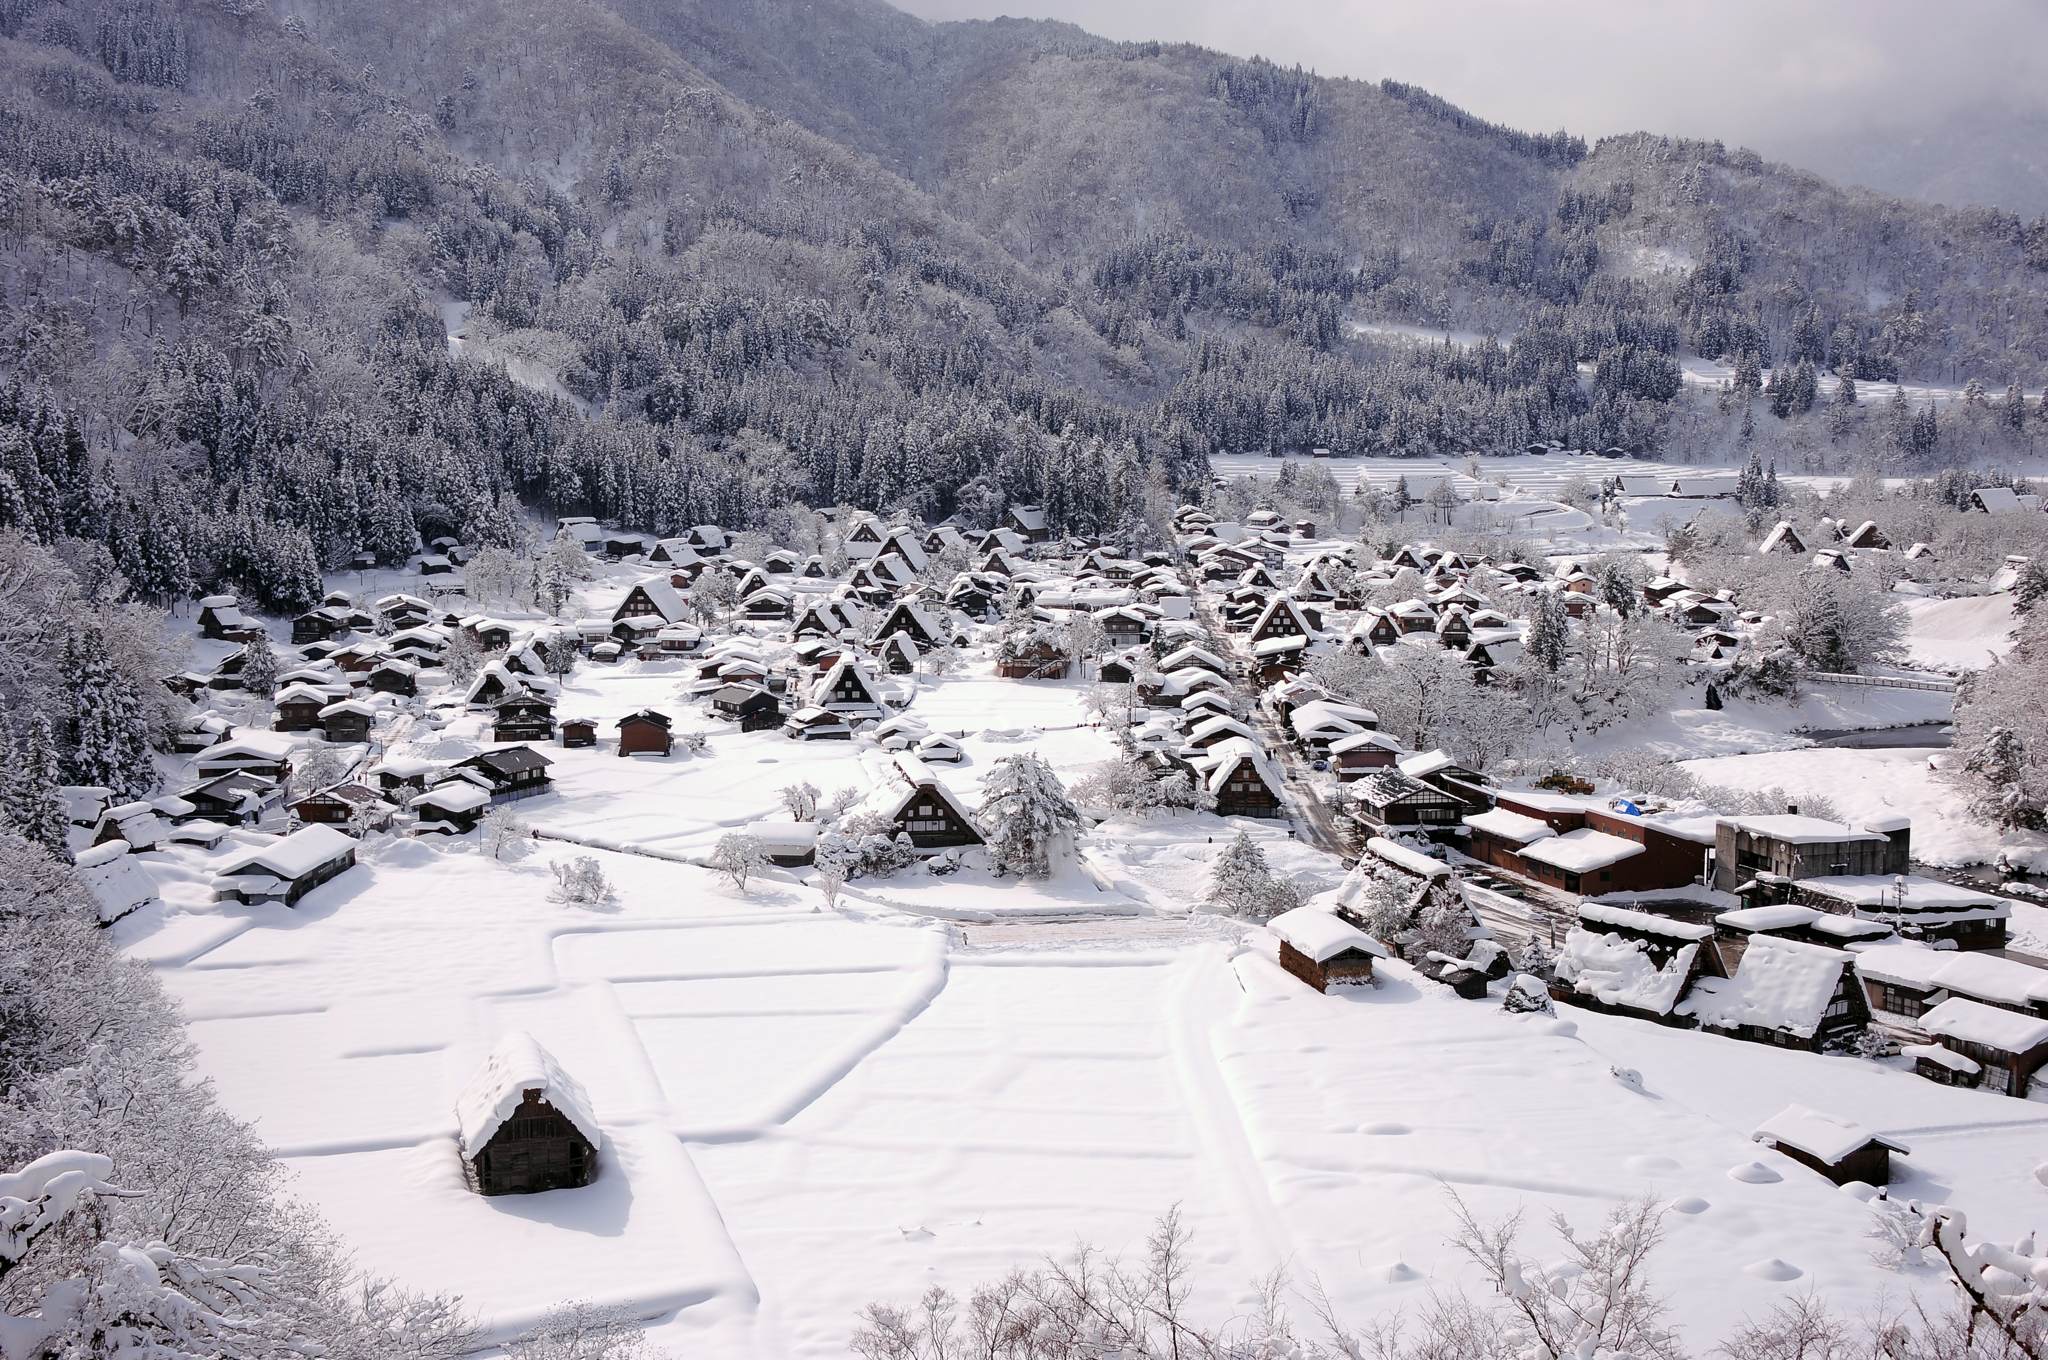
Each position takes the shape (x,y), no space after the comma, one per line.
(1900,1001)
(925,824)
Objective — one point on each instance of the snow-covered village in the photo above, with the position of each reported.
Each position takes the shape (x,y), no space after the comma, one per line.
(712,784)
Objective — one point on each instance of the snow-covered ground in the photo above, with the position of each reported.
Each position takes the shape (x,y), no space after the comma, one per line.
(806,1110)
(1963,634)
(1865,785)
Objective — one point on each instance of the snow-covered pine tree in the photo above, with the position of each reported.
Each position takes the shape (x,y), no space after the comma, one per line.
(259,667)
(32,801)
(1548,641)
(1239,879)
(110,732)
(1025,811)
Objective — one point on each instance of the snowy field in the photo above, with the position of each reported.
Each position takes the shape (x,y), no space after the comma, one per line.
(805,1110)
(1963,634)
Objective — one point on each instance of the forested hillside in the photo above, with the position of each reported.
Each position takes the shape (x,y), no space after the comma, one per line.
(703,260)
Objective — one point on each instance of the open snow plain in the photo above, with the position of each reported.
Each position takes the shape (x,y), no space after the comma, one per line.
(805,1110)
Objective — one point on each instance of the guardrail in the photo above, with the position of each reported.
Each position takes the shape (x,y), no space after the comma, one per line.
(1933,684)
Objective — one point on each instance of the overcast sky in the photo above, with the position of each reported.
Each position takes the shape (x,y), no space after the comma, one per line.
(1803,80)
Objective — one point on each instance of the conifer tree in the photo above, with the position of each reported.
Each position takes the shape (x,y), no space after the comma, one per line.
(33,801)
(110,732)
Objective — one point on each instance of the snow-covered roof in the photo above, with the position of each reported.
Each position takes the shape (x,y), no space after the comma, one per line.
(1770,916)
(1624,918)
(1883,894)
(1409,861)
(1582,851)
(1797,830)
(1355,741)
(1823,1136)
(457,795)
(117,879)
(1322,935)
(1997,499)
(1973,1022)
(296,855)
(497,1089)
(782,834)
(1980,975)
(1616,971)
(1780,985)
(1510,826)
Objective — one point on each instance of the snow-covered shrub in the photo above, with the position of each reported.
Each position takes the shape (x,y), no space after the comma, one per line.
(1127,785)
(581,882)
(738,856)
(1242,882)
(582,1331)
(503,835)
(1024,813)
(694,742)
(866,845)
(800,801)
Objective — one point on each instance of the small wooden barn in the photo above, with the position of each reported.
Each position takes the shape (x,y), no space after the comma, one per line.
(524,1124)
(1841,1151)
(1323,950)
(645,733)
(579,732)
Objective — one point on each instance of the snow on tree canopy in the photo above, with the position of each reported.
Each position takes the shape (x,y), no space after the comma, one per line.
(518,1065)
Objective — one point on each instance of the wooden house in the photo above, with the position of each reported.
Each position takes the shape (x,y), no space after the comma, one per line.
(453,807)
(914,619)
(284,871)
(1358,754)
(297,707)
(523,717)
(2006,1047)
(1782,539)
(395,676)
(511,773)
(653,598)
(221,620)
(1031,657)
(812,723)
(1785,993)
(578,732)
(848,688)
(1028,522)
(338,806)
(1324,950)
(347,720)
(402,776)
(1389,798)
(645,733)
(1867,535)
(752,706)
(524,1124)
(898,654)
(257,753)
(906,793)
(1242,781)
(1842,1151)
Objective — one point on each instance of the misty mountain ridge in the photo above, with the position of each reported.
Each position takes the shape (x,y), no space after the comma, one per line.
(708,259)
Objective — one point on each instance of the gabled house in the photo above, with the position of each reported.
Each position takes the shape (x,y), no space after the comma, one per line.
(284,871)
(847,688)
(1241,779)
(1782,538)
(752,706)
(652,598)
(524,1124)
(523,717)
(1285,618)
(906,793)
(1389,798)
(511,773)
(646,732)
